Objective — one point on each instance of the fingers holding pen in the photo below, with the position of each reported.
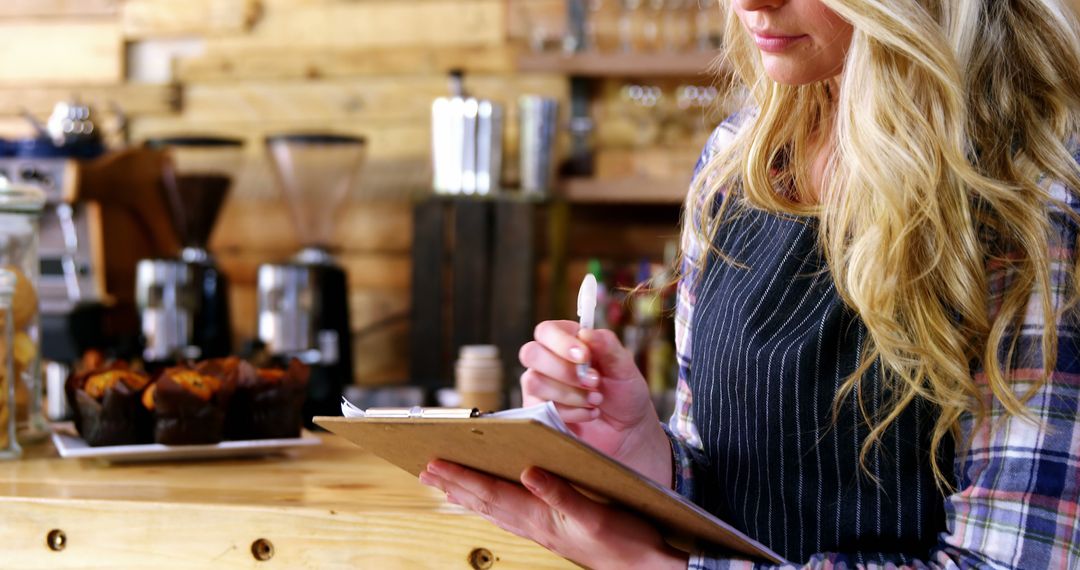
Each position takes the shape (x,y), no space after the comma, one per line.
(546,388)
(541,358)
(558,369)
(560,337)
(560,346)
(575,401)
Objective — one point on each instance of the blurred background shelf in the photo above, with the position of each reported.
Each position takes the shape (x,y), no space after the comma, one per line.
(248,68)
(628,190)
(662,64)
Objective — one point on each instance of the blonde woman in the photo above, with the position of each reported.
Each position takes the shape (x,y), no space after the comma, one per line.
(879,363)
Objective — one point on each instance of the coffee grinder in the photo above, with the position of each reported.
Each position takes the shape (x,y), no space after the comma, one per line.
(184,302)
(303,304)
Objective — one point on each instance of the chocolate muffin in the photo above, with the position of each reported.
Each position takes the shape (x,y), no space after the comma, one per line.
(107,407)
(189,407)
(268,402)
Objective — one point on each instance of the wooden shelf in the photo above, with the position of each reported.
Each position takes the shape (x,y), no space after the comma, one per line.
(632,190)
(690,64)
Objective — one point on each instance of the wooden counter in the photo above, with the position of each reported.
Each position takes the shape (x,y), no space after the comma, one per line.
(330,506)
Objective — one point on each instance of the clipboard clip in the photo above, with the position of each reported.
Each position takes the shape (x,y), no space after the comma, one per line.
(419,412)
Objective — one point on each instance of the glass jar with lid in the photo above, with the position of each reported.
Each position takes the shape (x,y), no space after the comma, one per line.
(9,446)
(20,212)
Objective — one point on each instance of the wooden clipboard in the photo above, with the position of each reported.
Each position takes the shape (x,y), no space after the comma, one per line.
(505,448)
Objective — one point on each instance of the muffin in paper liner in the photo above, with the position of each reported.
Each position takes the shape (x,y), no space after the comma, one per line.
(268,403)
(190,406)
(107,407)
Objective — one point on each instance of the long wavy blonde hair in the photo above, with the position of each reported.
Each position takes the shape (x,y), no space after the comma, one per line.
(948,113)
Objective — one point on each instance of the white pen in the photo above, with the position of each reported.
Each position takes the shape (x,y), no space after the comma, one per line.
(586,311)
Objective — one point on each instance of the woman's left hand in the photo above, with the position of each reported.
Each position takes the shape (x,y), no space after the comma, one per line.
(552,513)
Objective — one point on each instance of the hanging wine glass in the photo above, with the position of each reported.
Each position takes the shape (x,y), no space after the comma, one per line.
(704,23)
(676,29)
(593,24)
(651,30)
(627,18)
(643,101)
(697,102)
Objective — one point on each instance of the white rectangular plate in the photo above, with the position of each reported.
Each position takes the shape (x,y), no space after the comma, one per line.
(71,446)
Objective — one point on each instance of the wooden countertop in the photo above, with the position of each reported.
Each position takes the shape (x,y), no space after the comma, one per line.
(329,506)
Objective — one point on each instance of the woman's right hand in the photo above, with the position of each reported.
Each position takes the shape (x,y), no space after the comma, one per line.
(609,407)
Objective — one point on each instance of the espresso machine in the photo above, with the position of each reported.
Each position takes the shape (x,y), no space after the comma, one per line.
(184,302)
(303,304)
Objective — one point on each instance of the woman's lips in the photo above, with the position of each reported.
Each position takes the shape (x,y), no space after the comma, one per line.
(774,43)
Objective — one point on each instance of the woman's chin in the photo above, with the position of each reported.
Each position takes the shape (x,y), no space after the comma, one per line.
(787,70)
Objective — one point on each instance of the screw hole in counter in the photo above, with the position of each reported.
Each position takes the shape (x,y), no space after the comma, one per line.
(481,559)
(56,540)
(262,549)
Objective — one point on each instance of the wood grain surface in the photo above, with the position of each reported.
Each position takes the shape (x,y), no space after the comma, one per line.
(283,62)
(331,506)
(48,53)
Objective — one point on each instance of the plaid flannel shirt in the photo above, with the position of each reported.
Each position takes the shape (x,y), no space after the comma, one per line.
(1017,485)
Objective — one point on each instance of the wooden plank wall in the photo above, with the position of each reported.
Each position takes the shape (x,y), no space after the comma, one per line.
(368,67)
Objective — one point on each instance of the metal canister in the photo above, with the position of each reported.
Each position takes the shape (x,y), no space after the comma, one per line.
(163,292)
(538,118)
(286,308)
(466,150)
(489,136)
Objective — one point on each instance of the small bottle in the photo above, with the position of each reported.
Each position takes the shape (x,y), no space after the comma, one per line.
(596,269)
(478,377)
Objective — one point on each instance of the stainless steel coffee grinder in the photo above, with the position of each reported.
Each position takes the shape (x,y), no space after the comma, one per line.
(184,302)
(303,304)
